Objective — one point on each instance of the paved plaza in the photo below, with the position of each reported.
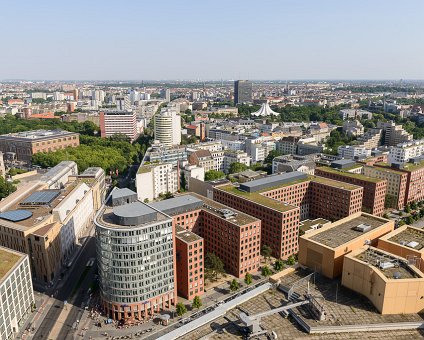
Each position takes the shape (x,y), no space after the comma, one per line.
(350,309)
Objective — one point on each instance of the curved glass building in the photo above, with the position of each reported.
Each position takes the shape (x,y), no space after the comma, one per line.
(135,257)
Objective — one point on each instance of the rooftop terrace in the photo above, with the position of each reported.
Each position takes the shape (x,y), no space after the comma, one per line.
(339,234)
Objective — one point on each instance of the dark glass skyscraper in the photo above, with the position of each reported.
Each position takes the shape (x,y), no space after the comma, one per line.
(242,91)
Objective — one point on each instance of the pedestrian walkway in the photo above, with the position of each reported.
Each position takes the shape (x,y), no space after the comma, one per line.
(218,312)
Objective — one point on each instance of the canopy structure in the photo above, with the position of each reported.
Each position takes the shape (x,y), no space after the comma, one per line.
(265,110)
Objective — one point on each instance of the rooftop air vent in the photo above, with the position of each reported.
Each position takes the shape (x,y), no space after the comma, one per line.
(386,265)
(362,228)
(412,244)
(397,275)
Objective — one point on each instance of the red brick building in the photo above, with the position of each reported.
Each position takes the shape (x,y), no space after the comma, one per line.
(374,188)
(231,235)
(281,201)
(190,258)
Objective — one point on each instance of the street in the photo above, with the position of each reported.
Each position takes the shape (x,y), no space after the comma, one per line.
(64,294)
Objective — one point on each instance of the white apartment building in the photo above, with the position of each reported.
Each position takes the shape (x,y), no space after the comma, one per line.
(16,294)
(75,212)
(233,144)
(218,160)
(155,179)
(193,171)
(231,157)
(403,152)
(350,152)
(168,127)
(114,122)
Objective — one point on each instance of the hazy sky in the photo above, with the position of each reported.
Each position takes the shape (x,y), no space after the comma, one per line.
(205,39)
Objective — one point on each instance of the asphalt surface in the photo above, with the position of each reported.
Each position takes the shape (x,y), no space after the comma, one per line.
(64,294)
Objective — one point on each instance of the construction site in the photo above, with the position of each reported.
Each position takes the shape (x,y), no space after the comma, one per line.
(304,304)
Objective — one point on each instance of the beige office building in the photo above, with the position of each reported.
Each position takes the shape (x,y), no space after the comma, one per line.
(388,281)
(322,250)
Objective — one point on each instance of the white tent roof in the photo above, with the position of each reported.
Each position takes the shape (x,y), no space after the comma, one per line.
(265,110)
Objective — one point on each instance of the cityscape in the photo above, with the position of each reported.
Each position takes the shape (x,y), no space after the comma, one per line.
(196,196)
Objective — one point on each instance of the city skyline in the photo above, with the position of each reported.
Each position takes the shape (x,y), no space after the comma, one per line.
(190,40)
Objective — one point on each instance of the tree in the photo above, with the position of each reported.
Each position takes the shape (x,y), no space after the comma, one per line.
(291,260)
(213,265)
(168,195)
(266,252)
(197,303)
(183,182)
(212,175)
(235,285)
(237,167)
(409,220)
(181,309)
(6,188)
(407,209)
(385,215)
(413,205)
(278,265)
(272,154)
(248,278)
(266,271)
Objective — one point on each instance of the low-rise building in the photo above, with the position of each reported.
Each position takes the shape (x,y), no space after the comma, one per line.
(392,284)
(407,242)
(323,250)
(25,144)
(16,293)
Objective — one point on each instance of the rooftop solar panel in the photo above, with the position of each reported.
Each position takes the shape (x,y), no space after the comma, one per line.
(41,197)
(15,215)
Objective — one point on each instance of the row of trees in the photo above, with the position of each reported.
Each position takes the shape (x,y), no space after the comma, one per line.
(111,154)
(10,124)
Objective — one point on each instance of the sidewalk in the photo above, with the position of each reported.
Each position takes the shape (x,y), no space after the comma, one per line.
(43,303)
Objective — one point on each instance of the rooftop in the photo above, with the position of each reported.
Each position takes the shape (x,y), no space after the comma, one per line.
(186,235)
(178,204)
(413,166)
(37,134)
(392,267)
(270,181)
(8,259)
(333,183)
(338,234)
(258,198)
(40,204)
(351,175)
(409,237)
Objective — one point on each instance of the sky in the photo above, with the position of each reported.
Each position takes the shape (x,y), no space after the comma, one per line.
(211,40)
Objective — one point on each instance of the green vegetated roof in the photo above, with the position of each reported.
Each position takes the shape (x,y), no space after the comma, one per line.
(351,175)
(258,198)
(412,166)
(7,261)
(334,183)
